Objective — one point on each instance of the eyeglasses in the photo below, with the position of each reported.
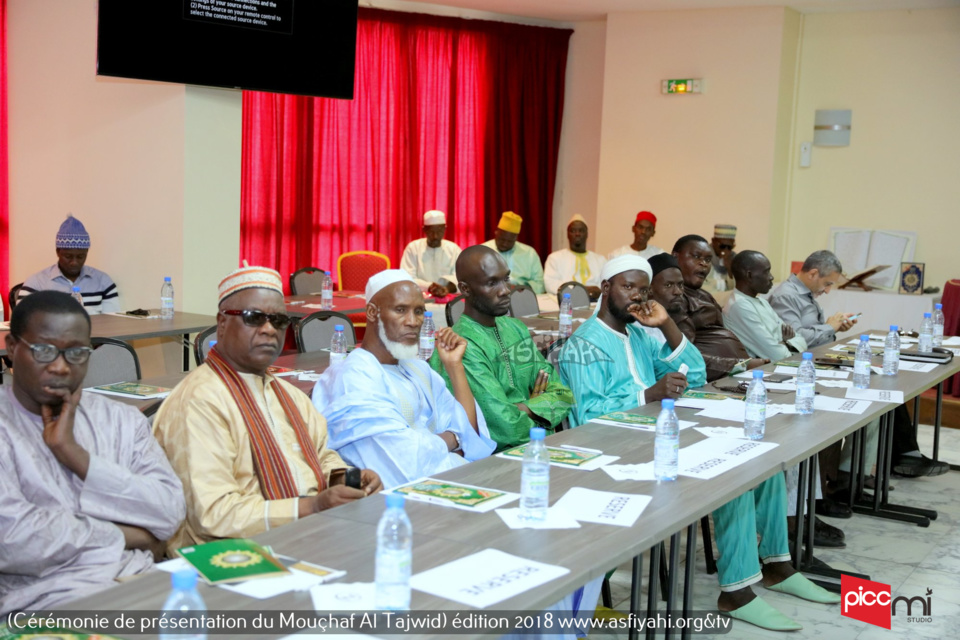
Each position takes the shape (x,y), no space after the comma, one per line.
(255,318)
(47,353)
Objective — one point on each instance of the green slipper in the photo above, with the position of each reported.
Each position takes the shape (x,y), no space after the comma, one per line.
(761,614)
(797,585)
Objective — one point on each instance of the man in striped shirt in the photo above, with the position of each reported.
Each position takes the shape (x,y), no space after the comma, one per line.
(97,288)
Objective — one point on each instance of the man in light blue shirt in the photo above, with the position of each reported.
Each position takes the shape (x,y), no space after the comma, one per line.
(99,292)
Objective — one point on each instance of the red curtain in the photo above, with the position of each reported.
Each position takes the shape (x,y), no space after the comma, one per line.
(451,114)
(4,185)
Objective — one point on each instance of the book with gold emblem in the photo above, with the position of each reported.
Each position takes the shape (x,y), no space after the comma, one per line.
(232,560)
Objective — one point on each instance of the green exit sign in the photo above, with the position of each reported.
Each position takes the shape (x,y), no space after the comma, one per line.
(681,85)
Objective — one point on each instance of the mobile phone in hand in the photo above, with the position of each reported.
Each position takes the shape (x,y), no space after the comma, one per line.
(352,477)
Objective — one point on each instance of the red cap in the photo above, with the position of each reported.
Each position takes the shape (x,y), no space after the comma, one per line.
(646,215)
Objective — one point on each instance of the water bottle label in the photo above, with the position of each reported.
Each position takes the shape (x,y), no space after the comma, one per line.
(166,303)
(891,355)
(666,451)
(861,367)
(756,412)
(427,342)
(337,357)
(805,390)
(938,330)
(536,486)
(566,318)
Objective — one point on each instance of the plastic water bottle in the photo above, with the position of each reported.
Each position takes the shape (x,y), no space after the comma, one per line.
(926,333)
(938,325)
(427,333)
(166,299)
(861,364)
(535,478)
(394,557)
(755,417)
(184,604)
(76,295)
(338,345)
(326,292)
(891,352)
(666,445)
(806,384)
(566,316)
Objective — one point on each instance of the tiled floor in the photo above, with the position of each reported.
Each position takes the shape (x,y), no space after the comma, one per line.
(911,559)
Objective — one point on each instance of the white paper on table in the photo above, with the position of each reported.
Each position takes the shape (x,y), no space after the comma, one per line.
(652,428)
(603,507)
(734,411)
(766,374)
(877,370)
(590,465)
(639,472)
(876,395)
(484,578)
(722,432)
(840,405)
(151,396)
(781,386)
(310,377)
(344,596)
(556,519)
(821,373)
(484,507)
(955,352)
(261,588)
(917,367)
(711,457)
(700,403)
(952,341)
(839,384)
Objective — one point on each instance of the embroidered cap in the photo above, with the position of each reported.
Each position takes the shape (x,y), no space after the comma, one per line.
(510,222)
(72,234)
(248,277)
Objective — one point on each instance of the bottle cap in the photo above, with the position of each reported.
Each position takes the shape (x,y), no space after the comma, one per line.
(667,403)
(394,501)
(184,580)
(327,272)
(76,289)
(537,433)
(864,338)
(894,327)
(927,315)
(212,344)
(428,314)
(757,374)
(566,296)
(338,327)
(166,278)
(807,355)
(938,307)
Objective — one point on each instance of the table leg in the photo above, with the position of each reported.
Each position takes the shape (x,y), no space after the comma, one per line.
(653,586)
(801,501)
(636,585)
(688,577)
(672,580)
(186,352)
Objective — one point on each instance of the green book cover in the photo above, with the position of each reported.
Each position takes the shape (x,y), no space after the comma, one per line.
(232,560)
(134,389)
(630,418)
(451,491)
(703,395)
(558,455)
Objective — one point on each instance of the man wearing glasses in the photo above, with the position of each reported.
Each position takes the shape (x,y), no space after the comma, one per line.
(86,494)
(250,448)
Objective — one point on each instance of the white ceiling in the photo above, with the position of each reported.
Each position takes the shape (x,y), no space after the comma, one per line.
(572,10)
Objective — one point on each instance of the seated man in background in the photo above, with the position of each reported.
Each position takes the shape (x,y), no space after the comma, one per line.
(250,448)
(611,364)
(431,260)
(388,410)
(795,301)
(515,387)
(644,228)
(522,260)
(97,288)
(765,335)
(86,493)
(723,242)
(575,263)
(700,318)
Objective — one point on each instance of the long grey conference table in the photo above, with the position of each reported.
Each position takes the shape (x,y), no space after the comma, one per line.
(343,538)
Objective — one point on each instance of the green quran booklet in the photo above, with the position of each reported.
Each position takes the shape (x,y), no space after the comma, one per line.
(566,456)
(454,494)
(635,421)
(49,634)
(132,390)
(232,560)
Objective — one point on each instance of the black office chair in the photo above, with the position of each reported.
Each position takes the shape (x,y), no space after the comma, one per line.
(523,302)
(112,361)
(453,309)
(578,294)
(12,296)
(201,343)
(315,331)
(306,281)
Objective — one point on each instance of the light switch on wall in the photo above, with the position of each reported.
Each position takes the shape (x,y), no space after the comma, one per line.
(806,149)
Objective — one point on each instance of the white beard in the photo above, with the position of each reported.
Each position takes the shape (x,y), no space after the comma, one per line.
(398,350)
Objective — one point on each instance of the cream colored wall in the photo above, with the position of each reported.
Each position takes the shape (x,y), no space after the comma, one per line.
(899,71)
(693,160)
(579,155)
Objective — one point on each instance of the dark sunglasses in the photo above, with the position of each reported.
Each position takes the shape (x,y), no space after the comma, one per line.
(255,318)
(47,353)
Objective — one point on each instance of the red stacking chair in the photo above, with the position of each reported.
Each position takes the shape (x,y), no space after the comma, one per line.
(353,271)
(951,326)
